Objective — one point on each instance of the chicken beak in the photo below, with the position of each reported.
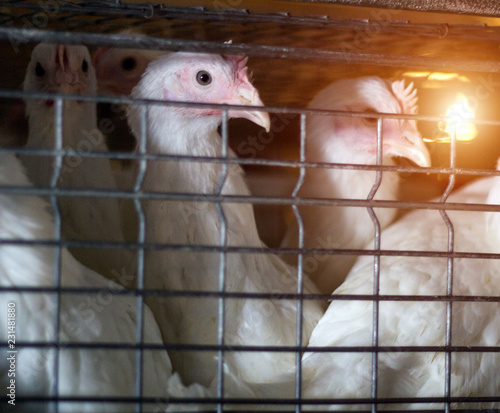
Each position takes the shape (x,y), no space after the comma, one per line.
(62,58)
(411,147)
(65,79)
(250,97)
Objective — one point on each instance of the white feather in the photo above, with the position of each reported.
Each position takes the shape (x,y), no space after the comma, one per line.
(68,69)
(343,374)
(351,140)
(417,323)
(102,317)
(194,320)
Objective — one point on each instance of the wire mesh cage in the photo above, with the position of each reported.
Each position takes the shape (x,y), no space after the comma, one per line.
(204,302)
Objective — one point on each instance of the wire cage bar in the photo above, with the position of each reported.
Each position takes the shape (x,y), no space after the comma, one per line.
(313,50)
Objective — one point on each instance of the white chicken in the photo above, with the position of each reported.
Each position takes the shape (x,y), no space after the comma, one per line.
(68,69)
(99,317)
(417,317)
(352,140)
(414,334)
(118,70)
(190,319)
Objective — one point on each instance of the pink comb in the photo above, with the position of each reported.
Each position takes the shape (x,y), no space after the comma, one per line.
(239,63)
(407,96)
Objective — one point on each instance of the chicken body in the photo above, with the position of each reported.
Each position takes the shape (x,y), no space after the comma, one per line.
(99,318)
(352,140)
(247,321)
(421,320)
(68,69)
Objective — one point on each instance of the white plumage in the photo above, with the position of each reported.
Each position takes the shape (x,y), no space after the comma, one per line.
(102,317)
(352,140)
(68,69)
(118,70)
(194,320)
(418,323)
(416,318)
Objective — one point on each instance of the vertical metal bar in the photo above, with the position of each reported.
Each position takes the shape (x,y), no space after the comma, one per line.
(300,264)
(449,270)
(58,146)
(376,266)
(140,255)
(222,267)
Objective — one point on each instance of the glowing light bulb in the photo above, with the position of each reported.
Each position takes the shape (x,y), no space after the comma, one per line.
(459,113)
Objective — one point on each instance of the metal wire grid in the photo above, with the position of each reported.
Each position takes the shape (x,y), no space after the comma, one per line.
(137,195)
(262,33)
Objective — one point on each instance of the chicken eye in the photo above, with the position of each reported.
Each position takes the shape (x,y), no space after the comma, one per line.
(371,121)
(85,66)
(129,63)
(203,78)
(39,70)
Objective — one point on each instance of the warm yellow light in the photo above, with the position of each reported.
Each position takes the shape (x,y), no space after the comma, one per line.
(439,76)
(458,114)
(416,74)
